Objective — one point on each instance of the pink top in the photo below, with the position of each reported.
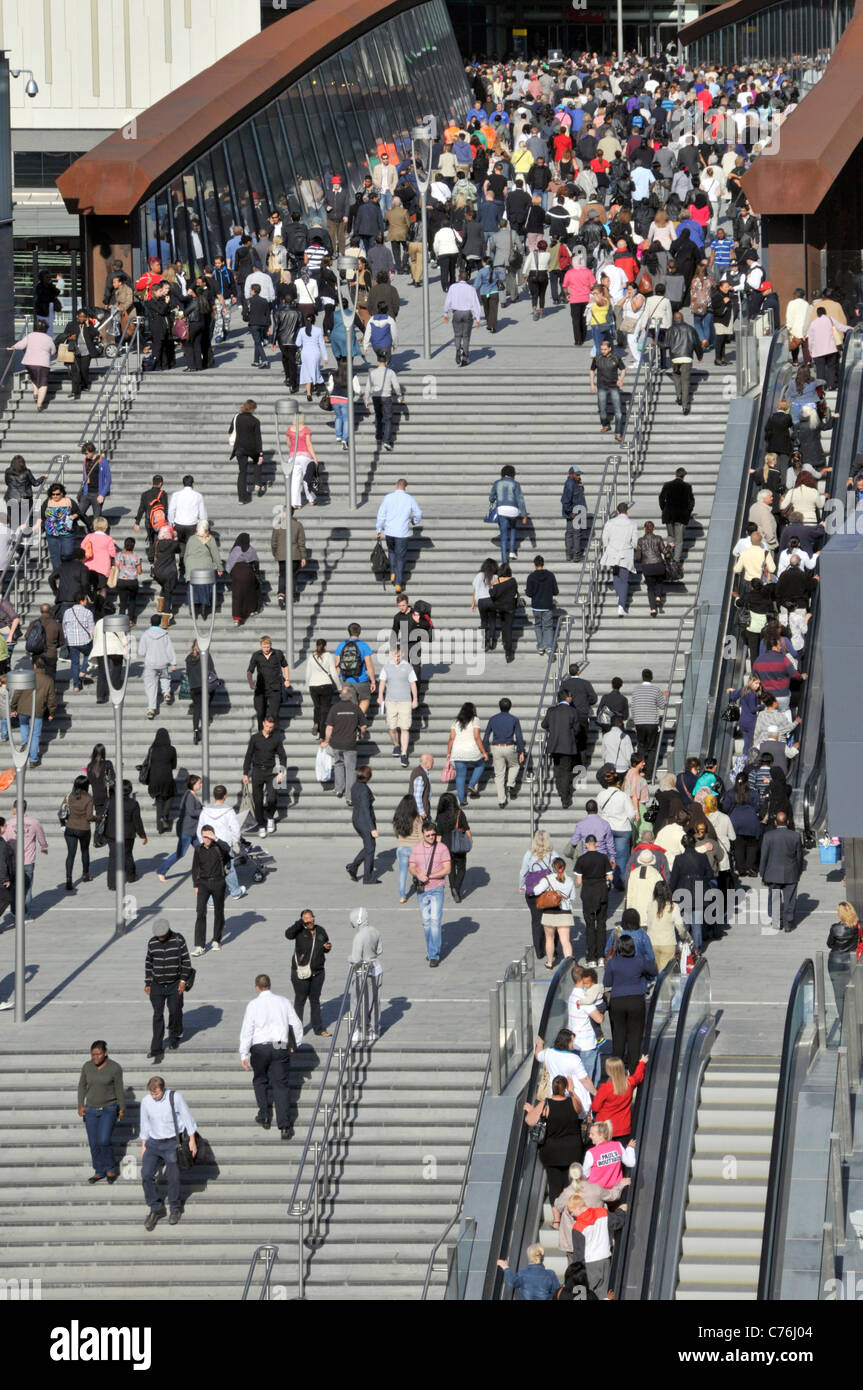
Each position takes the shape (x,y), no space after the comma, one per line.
(38,349)
(421,858)
(578,282)
(304,441)
(33,835)
(820,336)
(603,1164)
(99,552)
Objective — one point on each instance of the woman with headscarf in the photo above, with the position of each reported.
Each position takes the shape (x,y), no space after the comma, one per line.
(243,565)
(202,553)
(669,802)
(165,570)
(160,762)
(641,883)
(779,798)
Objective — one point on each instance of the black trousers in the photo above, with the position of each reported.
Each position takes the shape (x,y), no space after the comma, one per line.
(115,664)
(490,303)
(163,809)
(594,907)
(291,365)
(747,853)
(270,1077)
(563,776)
(267,702)
(626,1012)
(648,737)
(128,846)
(577,315)
(246,480)
(310,989)
(127,600)
(160,995)
(183,533)
(536,928)
(447,271)
(206,891)
(163,352)
(322,699)
(366,855)
(458,871)
(487,622)
(73,839)
(80,375)
(506,621)
(263,797)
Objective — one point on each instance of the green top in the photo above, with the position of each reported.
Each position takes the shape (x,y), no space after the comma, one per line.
(101,1085)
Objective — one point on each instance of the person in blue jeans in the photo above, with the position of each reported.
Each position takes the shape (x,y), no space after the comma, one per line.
(101,1098)
(507,504)
(607,372)
(467,751)
(187,825)
(430,865)
(407,827)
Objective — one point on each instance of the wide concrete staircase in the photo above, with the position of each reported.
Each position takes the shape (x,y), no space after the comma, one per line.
(392,1194)
(459,429)
(721,1250)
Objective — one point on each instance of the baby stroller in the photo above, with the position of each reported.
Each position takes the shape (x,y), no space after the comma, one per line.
(106,322)
(261,862)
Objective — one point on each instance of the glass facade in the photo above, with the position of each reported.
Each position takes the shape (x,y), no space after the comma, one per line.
(334,120)
(801,34)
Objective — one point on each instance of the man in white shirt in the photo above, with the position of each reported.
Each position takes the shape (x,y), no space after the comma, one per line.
(398,511)
(185,509)
(257,277)
(160,1127)
(271,1031)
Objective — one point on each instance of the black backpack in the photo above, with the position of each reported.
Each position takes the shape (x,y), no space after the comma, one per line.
(35,642)
(350,660)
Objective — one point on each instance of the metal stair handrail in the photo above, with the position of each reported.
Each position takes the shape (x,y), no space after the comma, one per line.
(345,1057)
(117,392)
(269,1253)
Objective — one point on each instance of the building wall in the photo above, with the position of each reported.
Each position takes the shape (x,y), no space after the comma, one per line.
(97,62)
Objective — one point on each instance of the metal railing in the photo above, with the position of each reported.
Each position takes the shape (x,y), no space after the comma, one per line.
(537,762)
(269,1253)
(26,576)
(345,1060)
(511,1020)
(663,723)
(116,395)
(459,1207)
(841,1142)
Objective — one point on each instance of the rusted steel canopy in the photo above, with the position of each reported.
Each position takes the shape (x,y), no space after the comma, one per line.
(117,175)
(720,17)
(817,140)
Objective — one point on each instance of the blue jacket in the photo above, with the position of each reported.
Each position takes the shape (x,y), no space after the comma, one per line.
(488,215)
(643,943)
(572,497)
(487,281)
(104,476)
(628,974)
(537,1284)
(507,493)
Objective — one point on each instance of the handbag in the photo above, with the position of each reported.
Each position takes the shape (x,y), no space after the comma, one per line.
(491,517)
(304,972)
(448,771)
(185,1157)
(63,814)
(325,403)
(543,1090)
(185,690)
(144,770)
(651,812)
(731,714)
(65,354)
(549,899)
(113,576)
(460,842)
(859,941)
(539,1132)
(180,330)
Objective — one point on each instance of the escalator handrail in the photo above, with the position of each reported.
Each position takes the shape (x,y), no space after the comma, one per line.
(779,1155)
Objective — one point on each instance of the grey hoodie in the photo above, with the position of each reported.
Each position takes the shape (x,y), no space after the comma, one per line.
(156,649)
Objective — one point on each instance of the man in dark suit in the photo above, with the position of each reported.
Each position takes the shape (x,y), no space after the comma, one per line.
(780,869)
(676,505)
(583,698)
(561,724)
(364,823)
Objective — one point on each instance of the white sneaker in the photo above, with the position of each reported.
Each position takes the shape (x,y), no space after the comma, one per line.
(262,831)
(271,827)
(198,951)
(214,946)
(242,893)
(8,1005)
(621,612)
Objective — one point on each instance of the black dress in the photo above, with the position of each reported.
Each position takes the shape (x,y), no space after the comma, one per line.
(245,589)
(563,1145)
(99,785)
(160,780)
(165,567)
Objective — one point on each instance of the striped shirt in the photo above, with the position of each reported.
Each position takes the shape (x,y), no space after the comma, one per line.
(167,960)
(721,248)
(646,704)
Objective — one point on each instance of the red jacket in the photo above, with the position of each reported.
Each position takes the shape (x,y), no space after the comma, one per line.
(618,1109)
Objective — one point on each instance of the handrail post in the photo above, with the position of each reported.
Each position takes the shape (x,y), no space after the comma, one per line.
(301,1258)
(844,1098)
(851,1030)
(837,1201)
(821,1001)
(494,1031)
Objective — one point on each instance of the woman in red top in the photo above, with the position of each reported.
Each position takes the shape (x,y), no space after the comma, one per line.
(613,1099)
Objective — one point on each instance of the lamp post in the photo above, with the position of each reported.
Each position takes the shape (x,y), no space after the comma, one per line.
(20,682)
(349,289)
(204,578)
(421,135)
(119,624)
(287,417)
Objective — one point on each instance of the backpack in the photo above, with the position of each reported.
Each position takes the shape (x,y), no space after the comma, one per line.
(350,660)
(379,561)
(35,641)
(157,515)
(642,218)
(381,335)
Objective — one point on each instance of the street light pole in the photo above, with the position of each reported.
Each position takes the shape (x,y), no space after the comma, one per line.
(204,578)
(349,290)
(422,135)
(118,623)
(20,682)
(288,410)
